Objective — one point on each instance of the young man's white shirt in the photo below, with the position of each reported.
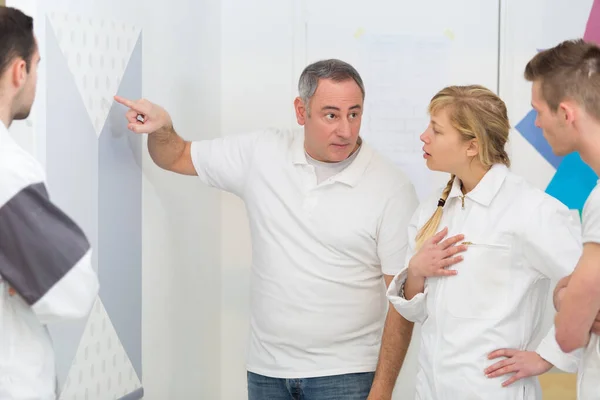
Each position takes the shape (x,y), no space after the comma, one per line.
(588,379)
(320,250)
(46,259)
(521,240)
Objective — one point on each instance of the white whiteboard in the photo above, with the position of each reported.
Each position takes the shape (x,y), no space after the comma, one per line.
(405,52)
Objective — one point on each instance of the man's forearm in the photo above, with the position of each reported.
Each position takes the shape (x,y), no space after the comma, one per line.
(396,337)
(165,147)
(557,298)
(578,307)
(559,291)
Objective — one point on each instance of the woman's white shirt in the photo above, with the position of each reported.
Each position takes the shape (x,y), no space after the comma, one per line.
(520,239)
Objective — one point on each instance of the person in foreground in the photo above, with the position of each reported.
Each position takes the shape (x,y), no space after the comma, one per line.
(45,258)
(507,241)
(566,96)
(328,218)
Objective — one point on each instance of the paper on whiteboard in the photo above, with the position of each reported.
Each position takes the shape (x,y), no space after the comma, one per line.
(401,73)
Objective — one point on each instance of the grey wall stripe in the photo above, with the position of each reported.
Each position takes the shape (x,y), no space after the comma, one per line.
(135,395)
(39,243)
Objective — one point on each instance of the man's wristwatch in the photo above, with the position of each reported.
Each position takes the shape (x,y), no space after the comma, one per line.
(401,292)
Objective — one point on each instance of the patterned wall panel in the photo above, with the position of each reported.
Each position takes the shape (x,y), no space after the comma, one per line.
(94,170)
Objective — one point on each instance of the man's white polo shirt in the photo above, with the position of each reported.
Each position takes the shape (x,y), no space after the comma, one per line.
(318,299)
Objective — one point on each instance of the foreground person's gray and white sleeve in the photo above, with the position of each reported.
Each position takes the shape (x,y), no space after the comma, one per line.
(44,256)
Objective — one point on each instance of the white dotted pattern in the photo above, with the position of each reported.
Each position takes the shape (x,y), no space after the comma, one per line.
(101,369)
(97,52)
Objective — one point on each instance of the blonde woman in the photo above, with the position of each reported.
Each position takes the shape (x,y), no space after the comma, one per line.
(481,293)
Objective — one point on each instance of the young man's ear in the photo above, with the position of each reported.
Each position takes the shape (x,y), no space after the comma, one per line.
(566,111)
(301,111)
(18,72)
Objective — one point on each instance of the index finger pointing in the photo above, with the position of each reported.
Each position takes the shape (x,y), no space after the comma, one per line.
(126,102)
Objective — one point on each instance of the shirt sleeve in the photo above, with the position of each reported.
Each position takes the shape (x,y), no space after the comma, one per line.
(552,245)
(552,242)
(591,217)
(550,351)
(44,256)
(224,162)
(415,309)
(392,236)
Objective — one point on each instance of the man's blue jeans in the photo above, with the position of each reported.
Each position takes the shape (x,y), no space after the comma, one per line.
(337,387)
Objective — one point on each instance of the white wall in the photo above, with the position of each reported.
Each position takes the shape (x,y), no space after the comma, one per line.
(257,92)
(181,233)
(181,218)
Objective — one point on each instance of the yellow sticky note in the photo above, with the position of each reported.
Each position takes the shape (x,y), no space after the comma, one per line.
(359,32)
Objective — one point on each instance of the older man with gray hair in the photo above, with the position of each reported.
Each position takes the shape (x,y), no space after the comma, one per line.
(328,218)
